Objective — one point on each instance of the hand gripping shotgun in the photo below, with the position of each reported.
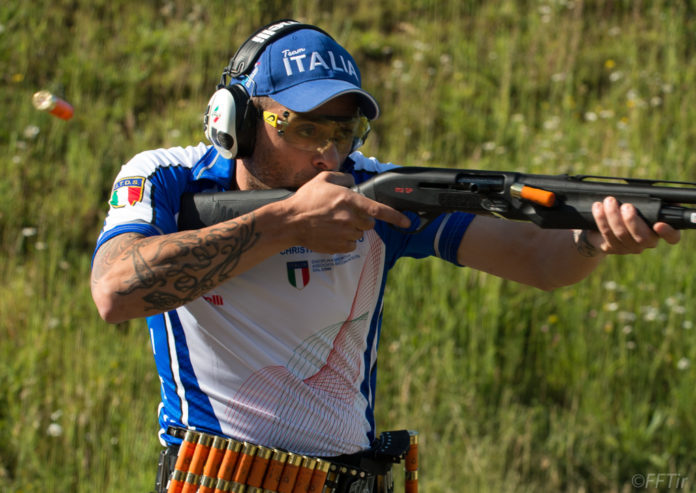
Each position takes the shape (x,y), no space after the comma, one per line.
(549,201)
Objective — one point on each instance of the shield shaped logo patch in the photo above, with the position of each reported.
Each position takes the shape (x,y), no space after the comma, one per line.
(298,273)
(127,191)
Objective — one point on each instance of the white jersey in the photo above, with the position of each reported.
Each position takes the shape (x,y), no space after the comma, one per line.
(283,355)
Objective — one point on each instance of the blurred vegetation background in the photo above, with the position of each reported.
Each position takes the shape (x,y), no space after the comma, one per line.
(583,389)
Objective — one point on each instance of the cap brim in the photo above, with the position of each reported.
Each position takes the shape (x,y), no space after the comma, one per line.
(308,96)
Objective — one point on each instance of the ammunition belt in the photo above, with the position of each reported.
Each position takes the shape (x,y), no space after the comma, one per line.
(208,463)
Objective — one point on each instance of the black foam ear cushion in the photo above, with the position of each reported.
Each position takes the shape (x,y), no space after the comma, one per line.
(246,120)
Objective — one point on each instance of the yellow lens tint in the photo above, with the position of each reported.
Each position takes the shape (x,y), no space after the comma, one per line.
(312,134)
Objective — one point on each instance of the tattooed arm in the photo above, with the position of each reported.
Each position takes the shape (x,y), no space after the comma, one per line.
(135,276)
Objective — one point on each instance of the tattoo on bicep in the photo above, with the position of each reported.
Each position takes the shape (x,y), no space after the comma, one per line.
(185,266)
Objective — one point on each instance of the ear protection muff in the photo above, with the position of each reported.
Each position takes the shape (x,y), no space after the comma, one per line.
(230,119)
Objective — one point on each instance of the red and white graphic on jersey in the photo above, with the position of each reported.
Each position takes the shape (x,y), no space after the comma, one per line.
(300,406)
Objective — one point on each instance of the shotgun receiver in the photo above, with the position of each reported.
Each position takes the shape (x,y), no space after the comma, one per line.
(549,201)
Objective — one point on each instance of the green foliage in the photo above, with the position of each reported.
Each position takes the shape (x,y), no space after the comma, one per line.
(511,389)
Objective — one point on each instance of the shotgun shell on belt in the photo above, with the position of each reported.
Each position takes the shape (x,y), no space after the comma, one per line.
(321,470)
(200,456)
(207,484)
(229,461)
(212,465)
(275,470)
(290,471)
(183,461)
(411,464)
(246,459)
(259,466)
(45,101)
(304,475)
(191,483)
(237,488)
(222,486)
(176,482)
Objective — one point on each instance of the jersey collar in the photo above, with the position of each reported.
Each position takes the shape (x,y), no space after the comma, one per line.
(212,166)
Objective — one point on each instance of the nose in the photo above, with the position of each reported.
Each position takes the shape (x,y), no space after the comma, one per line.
(327,158)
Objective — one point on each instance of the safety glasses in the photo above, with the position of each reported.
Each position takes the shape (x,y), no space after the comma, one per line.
(317,134)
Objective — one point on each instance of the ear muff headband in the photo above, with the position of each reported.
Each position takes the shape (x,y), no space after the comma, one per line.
(244,59)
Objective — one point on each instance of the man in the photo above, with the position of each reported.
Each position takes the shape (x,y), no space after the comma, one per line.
(265,327)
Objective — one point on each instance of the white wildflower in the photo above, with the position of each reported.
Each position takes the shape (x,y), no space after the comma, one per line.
(611,307)
(54,430)
(31,131)
(552,123)
(616,76)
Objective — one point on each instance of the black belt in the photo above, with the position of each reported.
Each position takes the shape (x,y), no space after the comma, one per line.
(363,472)
(341,479)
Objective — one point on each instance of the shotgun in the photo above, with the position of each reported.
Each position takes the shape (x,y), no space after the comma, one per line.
(549,201)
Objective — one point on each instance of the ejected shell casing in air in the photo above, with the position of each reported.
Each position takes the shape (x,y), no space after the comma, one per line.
(45,101)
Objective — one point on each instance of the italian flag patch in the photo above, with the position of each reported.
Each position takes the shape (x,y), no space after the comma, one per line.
(298,274)
(127,191)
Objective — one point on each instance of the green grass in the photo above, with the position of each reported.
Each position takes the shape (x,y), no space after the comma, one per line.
(511,389)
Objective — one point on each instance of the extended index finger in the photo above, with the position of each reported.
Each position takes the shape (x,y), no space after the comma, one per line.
(386,213)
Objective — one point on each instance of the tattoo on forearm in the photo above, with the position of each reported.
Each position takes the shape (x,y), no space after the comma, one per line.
(188,264)
(585,248)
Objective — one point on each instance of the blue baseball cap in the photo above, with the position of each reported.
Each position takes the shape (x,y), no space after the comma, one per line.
(304,70)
